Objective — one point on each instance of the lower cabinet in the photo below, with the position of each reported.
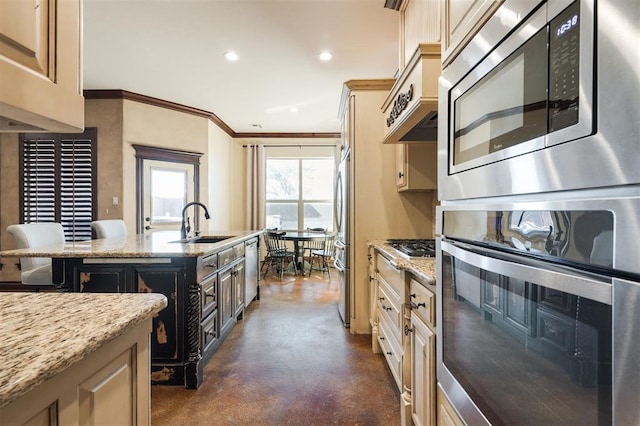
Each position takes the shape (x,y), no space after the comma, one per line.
(404,327)
(206,297)
(447,415)
(109,386)
(225,279)
(423,372)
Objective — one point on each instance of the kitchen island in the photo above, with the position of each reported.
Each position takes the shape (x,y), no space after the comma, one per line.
(71,358)
(208,282)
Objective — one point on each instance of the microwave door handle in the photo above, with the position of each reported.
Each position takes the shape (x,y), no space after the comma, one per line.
(534,272)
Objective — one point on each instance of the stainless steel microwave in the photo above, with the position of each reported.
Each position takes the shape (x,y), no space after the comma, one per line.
(544,98)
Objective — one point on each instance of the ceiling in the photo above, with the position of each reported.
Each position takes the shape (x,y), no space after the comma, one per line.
(173,50)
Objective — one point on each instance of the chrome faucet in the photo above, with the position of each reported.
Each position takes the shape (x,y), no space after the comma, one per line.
(186,227)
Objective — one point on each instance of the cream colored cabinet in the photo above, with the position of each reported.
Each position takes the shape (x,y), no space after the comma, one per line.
(416,165)
(423,354)
(390,298)
(109,386)
(40,66)
(461,20)
(419,23)
(447,415)
(374,206)
(373,301)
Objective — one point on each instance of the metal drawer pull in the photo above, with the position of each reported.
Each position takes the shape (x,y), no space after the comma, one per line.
(389,353)
(412,295)
(407,330)
(385,308)
(380,298)
(381,337)
(414,306)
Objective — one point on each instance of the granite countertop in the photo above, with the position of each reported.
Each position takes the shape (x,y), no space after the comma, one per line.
(422,267)
(41,334)
(156,244)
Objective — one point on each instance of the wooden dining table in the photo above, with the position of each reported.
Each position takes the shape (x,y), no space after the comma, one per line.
(299,238)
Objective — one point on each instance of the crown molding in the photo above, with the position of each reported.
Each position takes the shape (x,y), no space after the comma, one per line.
(161,103)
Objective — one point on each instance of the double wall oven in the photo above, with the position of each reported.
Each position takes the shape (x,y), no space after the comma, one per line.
(539,311)
(538,232)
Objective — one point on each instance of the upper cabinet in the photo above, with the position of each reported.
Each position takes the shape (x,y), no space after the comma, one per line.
(410,112)
(40,66)
(461,20)
(419,23)
(416,167)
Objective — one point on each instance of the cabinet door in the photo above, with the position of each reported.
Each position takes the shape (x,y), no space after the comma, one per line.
(101,279)
(462,20)
(417,166)
(166,335)
(41,58)
(225,280)
(109,395)
(239,286)
(423,373)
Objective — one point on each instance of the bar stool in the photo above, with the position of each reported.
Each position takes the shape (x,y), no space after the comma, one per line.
(36,270)
(109,228)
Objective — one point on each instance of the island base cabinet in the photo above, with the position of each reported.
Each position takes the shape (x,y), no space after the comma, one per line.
(108,386)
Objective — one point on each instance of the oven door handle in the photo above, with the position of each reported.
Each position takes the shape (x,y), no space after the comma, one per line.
(555,277)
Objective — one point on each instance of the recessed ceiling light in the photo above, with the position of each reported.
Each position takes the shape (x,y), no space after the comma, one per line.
(230,55)
(325,56)
(293,109)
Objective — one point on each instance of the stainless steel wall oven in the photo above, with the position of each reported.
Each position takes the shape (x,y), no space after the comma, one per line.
(539,306)
(543,98)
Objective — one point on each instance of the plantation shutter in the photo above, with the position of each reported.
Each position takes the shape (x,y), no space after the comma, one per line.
(38,181)
(58,181)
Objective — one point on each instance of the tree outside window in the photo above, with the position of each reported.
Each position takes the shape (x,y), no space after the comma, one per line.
(299,193)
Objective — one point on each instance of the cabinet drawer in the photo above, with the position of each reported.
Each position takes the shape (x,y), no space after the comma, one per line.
(238,251)
(390,308)
(422,302)
(209,295)
(391,350)
(209,331)
(225,257)
(394,277)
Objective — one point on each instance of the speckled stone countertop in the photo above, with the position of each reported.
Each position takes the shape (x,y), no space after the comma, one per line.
(422,267)
(41,334)
(156,244)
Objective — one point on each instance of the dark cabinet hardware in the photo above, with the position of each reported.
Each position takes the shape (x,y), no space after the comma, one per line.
(417,306)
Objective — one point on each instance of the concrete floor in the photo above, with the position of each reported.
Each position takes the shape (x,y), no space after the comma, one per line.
(288,362)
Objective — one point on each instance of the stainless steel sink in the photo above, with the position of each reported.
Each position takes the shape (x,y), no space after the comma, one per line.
(204,239)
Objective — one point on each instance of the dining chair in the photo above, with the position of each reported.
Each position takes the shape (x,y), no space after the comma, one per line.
(267,258)
(312,244)
(325,250)
(278,253)
(36,270)
(109,228)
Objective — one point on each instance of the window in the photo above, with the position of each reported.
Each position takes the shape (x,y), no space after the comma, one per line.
(57,181)
(299,193)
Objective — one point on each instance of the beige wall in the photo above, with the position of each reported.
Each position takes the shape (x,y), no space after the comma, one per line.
(106,115)
(154,126)
(227,181)
(9,213)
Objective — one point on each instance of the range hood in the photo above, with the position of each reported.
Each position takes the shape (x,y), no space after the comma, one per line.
(411,109)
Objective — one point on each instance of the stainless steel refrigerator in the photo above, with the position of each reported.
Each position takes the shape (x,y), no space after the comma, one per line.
(343,243)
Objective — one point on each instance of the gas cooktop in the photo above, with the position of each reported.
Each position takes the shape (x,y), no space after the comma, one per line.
(414,247)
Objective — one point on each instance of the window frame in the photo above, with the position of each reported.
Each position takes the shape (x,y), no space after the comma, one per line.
(300,201)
